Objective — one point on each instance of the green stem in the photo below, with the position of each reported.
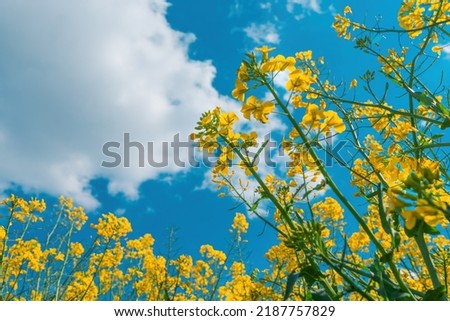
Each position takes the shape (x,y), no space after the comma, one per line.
(261,183)
(420,240)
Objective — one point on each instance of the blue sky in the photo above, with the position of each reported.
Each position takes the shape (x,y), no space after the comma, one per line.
(77,74)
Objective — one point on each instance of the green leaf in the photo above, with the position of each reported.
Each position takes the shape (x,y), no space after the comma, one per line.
(398,82)
(435,294)
(383,217)
(291,279)
(411,232)
(446,123)
(386,89)
(320,295)
(422,98)
(386,287)
(255,206)
(386,257)
(310,274)
(430,229)
(396,239)
(437,136)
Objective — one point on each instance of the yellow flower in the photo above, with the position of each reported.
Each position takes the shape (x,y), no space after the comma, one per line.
(2,233)
(410,218)
(26,251)
(265,52)
(237,269)
(240,223)
(329,209)
(347,9)
(341,25)
(77,216)
(332,120)
(258,109)
(312,116)
(37,205)
(112,227)
(242,73)
(76,249)
(304,55)
(437,49)
(59,257)
(279,63)
(411,18)
(213,255)
(358,241)
(36,295)
(300,80)
(240,90)
(241,287)
(353,83)
(184,265)
(65,202)
(226,121)
(81,288)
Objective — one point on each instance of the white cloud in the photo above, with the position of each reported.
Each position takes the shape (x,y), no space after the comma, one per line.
(332,9)
(76,74)
(265,33)
(307,5)
(120,211)
(446,51)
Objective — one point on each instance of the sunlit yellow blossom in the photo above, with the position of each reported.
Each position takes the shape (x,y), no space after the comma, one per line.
(313,116)
(37,205)
(2,234)
(328,209)
(24,254)
(347,9)
(278,63)
(411,18)
(257,108)
(81,288)
(240,223)
(240,90)
(304,55)
(36,296)
(332,121)
(184,265)
(212,254)
(300,80)
(77,216)
(241,287)
(59,257)
(298,102)
(341,25)
(76,249)
(358,241)
(242,73)
(437,49)
(111,227)
(265,51)
(226,121)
